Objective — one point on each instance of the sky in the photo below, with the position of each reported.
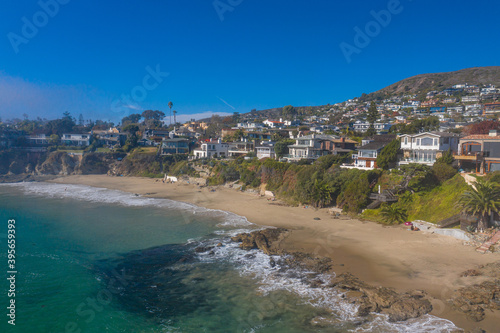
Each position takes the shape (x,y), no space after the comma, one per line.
(109,59)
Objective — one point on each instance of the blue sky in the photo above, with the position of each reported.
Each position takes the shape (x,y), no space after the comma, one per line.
(109,59)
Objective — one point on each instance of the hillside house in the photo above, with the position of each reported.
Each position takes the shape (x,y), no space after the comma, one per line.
(175,146)
(366,158)
(425,148)
(480,152)
(311,147)
(211,149)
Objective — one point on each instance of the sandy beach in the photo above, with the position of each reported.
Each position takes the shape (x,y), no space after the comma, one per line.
(390,256)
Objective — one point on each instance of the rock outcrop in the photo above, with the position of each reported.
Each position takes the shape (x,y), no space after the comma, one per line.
(474,300)
(265,240)
(397,306)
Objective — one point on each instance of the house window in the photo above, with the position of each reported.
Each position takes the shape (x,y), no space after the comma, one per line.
(406,140)
(418,142)
(435,142)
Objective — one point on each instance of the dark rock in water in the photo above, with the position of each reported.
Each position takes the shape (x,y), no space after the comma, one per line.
(272,263)
(201,249)
(474,300)
(397,306)
(219,245)
(150,283)
(265,240)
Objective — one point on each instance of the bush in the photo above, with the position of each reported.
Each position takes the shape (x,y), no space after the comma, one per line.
(443,171)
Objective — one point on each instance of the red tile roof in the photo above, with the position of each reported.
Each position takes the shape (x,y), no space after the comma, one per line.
(481,137)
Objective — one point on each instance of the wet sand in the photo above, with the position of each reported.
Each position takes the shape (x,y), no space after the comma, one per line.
(390,256)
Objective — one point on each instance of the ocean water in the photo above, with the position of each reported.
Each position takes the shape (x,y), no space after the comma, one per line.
(97,260)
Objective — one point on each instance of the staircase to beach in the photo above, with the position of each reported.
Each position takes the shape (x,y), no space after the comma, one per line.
(492,241)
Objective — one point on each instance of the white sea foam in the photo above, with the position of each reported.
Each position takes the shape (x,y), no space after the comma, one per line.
(116,197)
(273,278)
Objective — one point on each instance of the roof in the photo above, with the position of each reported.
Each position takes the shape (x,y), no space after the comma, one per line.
(382,137)
(175,140)
(375,145)
(481,137)
(318,136)
(440,134)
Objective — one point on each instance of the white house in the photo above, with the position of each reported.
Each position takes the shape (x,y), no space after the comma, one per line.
(274,123)
(76,139)
(211,149)
(360,126)
(425,148)
(470,99)
(266,151)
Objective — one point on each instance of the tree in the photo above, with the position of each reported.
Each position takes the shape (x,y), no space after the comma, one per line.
(389,155)
(131,119)
(170,104)
(393,214)
(482,200)
(175,121)
(54,139)
(446,158)
(281,147)
(482,127)
(288,111)
(372,117)
(81,121)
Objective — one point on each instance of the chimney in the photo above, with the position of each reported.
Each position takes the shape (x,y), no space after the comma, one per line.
(493,132)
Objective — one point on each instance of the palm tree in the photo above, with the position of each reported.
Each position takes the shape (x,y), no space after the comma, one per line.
(393,214)
(175,121)
(482,200)
(170,104)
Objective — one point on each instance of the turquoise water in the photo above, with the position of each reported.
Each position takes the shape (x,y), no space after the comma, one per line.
(97,260)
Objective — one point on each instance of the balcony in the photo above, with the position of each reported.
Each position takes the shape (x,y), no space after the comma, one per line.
(470,156)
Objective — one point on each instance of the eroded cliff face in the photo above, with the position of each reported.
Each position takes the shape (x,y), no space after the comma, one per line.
(56,163)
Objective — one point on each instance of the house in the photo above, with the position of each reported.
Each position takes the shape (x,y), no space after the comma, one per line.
(175,146)
(366,158)
(425,148)
(310,147)
(211,149)
(470,99)
(430,102)
(240,148)
(274,123)
(363,127)
(491,108)
(82,140)
(450,100)
(480,152)
(266,150)
(38,139)
(184,132)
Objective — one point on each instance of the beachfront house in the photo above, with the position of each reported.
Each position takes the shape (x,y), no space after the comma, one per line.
(366,158)
(175,146)
(266,150)
(76,139)
(479,152)
(240,148)
(313,146)
(425,148)
(212,149)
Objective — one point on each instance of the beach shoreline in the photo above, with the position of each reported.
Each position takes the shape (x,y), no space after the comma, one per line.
(389,256)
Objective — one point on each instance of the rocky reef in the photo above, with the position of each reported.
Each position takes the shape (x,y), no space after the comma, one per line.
(398,306)
(474,300)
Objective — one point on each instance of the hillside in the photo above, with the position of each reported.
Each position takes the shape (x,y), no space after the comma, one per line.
(436,81)
(415,84)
